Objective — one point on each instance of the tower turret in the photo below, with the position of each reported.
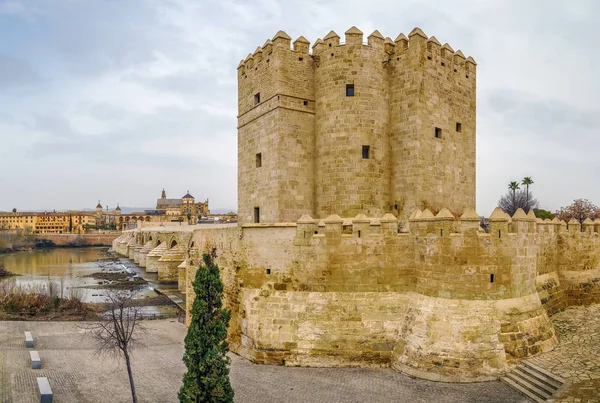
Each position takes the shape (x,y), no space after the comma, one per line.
(382,127)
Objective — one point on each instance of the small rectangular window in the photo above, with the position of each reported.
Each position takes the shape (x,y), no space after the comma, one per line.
(365,152)
(259,160)
(349,90)
(438,133)
(491,278)
(257,98)
(257,214)
(305,103)
(458,127)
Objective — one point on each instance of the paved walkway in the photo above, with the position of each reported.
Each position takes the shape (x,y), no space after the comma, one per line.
(77,375)
(577,356)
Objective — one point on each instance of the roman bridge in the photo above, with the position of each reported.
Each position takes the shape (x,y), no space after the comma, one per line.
(161,250)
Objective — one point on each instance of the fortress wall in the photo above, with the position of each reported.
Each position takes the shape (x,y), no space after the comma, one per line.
(248,257)
(335,298)
(579,266)
(465,324)
(356,292)
(321,328)
(548,284)
(345,263)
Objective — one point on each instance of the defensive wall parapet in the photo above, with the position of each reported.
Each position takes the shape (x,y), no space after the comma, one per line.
(434,296)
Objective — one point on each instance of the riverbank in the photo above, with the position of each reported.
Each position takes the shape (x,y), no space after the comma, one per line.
(11,242)
(71,284)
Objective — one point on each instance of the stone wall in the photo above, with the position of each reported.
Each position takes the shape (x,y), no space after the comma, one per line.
(435,297)
(358,292)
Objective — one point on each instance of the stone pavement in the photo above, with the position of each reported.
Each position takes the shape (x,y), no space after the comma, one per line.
(77,375)
(577,356)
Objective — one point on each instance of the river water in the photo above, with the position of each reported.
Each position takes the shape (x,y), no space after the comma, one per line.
(68,269)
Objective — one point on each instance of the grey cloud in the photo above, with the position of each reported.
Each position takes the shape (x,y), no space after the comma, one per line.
(547,120)
(15,72)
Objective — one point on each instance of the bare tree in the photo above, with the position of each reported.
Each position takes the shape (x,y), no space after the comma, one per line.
(514,200)
(580,209)
(119,330)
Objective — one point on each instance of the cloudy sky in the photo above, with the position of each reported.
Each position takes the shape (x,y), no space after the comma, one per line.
(116,99)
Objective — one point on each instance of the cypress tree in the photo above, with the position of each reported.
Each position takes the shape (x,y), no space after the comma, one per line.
(207,376)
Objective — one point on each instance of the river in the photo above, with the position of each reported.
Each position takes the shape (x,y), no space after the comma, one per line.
(69,269)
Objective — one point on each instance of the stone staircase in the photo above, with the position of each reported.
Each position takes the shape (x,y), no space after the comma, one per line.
(534,382)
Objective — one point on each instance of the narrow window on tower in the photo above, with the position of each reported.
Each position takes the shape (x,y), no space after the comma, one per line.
(458,127)
(349,90)
(257,214)
(259,160)
(257,98)
(365,152)
(438,133)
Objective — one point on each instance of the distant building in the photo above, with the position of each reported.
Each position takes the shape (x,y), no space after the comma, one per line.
(185,208)
(76,222)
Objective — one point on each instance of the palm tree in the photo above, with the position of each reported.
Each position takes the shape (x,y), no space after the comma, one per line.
(514,186)
(527,181)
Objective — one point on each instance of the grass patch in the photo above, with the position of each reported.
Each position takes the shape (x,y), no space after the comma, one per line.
(42,302)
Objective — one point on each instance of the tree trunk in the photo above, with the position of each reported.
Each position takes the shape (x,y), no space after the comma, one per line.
(133,396)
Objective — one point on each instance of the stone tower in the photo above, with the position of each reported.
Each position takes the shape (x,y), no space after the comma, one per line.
(382,127)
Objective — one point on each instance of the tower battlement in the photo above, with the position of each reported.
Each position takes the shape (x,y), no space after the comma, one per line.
(355,127)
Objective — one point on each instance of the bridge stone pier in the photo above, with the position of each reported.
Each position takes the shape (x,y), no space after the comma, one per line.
(158,250)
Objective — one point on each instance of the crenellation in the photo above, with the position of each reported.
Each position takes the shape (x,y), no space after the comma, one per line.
(361,226)
(257,55)
(459,58)
(433,45)
(574,227)
(389,46)
(301,45)
(588,226)
(470,222)
(268,47)
(281,41)
(376,40)
(447,52)
(318,47)
(331,40)
(401,42)
(354,37)
(249,61)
